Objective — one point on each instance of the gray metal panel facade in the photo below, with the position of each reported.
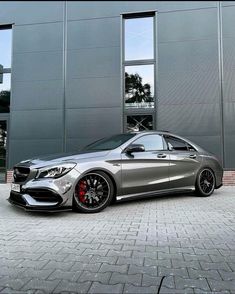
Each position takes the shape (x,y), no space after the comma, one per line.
(66,73)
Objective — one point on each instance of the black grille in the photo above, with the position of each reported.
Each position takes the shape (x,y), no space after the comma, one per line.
(17,198)
(20,174)
(44,195)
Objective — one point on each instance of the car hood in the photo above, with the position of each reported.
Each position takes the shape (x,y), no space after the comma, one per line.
(42,161)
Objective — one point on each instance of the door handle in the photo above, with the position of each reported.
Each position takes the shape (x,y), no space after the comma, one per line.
(161,155)
(193,156)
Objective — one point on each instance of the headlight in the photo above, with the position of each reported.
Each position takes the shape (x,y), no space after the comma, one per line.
(55,171)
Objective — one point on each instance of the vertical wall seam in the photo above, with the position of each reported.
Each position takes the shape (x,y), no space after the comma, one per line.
(64,76)
(221,77)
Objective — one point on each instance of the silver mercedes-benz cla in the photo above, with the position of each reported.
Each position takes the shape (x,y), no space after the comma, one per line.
(119,167)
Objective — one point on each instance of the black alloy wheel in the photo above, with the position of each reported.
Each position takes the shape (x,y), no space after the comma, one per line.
(205,182)
(93,192)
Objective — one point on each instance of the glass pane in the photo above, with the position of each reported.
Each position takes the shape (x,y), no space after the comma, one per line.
(139,38)
(5,48)
(137,123)
(150,142)
(5,92)
(139,86)
(176,144)
(3,146)
(109,143)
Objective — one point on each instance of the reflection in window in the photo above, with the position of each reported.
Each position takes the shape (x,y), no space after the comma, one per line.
(137,123)
(3,143)
(5,92)
(5,47)
(139,38)
(139,86)
(150,142)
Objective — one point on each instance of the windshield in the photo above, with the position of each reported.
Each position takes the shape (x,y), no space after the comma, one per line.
(109,143)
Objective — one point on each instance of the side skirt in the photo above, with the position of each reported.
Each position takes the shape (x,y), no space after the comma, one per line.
(156,193)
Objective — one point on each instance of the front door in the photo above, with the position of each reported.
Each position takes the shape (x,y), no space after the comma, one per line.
(146,171)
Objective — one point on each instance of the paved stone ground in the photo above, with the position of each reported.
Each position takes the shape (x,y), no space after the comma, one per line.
(127,248)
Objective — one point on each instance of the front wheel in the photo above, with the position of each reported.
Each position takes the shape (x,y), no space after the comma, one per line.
(93,192)
(205,183)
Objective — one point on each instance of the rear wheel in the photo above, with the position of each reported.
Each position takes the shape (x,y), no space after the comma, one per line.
(93,192)
(205,183)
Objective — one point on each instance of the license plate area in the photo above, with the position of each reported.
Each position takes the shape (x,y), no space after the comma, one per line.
(15,187)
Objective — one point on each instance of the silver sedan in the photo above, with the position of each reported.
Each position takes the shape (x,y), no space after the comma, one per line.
(119,167)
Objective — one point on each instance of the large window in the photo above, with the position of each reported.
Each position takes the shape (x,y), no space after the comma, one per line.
(5,68)
(139,91)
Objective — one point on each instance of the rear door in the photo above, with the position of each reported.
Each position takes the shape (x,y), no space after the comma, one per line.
(146,171)
(184,163)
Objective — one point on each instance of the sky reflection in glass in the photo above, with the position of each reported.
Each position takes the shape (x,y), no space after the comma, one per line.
(139,38)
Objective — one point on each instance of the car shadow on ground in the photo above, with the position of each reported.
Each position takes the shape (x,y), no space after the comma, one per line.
(124,203)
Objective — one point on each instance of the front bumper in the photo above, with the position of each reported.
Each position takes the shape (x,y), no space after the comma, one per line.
(46,194)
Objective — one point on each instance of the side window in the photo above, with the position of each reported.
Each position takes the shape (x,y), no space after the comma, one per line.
(177,144)
(150,142)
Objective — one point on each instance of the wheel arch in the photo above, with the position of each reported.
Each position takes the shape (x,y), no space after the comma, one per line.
(109,174)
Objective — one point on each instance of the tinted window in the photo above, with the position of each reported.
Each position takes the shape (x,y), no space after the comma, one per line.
(109,143)
(176,144)
(150,142)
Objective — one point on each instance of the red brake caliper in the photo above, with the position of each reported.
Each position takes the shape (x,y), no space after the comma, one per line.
(82,191)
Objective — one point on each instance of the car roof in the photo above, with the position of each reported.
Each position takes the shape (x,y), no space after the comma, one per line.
(154,132)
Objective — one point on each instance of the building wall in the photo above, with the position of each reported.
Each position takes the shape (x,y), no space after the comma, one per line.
(66,73)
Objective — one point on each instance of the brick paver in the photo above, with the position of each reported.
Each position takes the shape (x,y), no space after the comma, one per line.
(127,248)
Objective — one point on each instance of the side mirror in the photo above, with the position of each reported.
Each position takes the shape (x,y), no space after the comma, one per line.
(135,148)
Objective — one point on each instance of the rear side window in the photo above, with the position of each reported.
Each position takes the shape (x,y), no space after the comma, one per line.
(151,142)
(178,144)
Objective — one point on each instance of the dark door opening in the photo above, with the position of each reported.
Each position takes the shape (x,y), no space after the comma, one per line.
(3,150)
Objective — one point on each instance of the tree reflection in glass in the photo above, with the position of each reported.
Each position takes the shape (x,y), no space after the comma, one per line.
(139,86)
(5,93)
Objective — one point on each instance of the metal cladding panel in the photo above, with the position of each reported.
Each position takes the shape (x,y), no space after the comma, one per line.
(36,124)
(229,151)
(37,95)
(93,9)
(228,3)
(229,136)
(198,55)
(228,54)
(209,143)
(104,92)
(229,86)
(93,62)
(26,149)
(190,119)
(29,12)
(228,21)
(38,37)
(187,25)
(93,122)
(73,145)
(104,32)
(37,66)
(188,87)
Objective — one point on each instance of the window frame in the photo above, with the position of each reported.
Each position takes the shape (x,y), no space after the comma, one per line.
(138,111)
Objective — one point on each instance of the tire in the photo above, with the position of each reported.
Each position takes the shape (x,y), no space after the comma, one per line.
(205,182)
(93,192)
